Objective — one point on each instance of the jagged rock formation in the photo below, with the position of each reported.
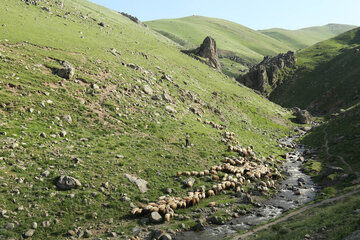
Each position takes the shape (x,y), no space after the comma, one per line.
(265,76)
(134,19)
(208,52)
(302,116)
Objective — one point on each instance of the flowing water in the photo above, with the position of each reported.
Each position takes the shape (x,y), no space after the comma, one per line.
(296,190)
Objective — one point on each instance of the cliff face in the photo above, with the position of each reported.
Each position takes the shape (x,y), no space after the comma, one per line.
(264,77)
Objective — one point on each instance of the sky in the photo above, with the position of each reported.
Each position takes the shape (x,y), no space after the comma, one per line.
(256,14)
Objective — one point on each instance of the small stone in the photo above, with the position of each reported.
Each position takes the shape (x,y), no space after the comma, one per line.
(45,173)
(34,225)
(30,110)
(68,119)
(170,109)
(43,135)
(29,233)
(212,204)
(9,226)
(63,133)
(148,90)
(113,234)
(46,224)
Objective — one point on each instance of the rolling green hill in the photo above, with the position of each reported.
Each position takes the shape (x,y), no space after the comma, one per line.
(126,110)
(232,39)
(327,77)
(305,37)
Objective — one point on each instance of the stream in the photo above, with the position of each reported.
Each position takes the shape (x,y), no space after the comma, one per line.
(296,190)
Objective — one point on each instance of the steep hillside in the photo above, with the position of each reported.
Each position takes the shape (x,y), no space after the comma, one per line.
(326,78)
(305,37)
(126,107)
(237,42)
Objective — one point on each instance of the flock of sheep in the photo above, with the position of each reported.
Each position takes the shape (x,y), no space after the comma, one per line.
(230,175)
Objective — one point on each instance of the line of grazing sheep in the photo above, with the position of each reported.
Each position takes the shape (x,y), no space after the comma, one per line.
(235,173)
(214,125)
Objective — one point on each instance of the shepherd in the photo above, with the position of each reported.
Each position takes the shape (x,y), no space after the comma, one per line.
(187,140)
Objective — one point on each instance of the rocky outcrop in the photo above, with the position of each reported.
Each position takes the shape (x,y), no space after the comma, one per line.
(265,76)
(207,52)
(134,19)
(302,116)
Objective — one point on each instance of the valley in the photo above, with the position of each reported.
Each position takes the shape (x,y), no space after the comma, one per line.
(113,128)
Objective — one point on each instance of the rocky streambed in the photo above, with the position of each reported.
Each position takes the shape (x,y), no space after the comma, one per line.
(296,190)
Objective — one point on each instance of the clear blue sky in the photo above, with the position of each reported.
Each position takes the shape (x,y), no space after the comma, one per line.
(256,14)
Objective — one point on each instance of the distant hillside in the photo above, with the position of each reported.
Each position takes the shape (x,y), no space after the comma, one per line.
(327,77)
(305,37)
(232,38)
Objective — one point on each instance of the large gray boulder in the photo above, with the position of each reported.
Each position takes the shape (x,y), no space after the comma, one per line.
(189,182)
(67,183)
(67,71)
(140,183)
(302,116)
(155,217)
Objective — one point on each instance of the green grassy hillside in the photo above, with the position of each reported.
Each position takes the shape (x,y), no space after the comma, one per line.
(126,110)
(305,37)
(232,39)
(327,77)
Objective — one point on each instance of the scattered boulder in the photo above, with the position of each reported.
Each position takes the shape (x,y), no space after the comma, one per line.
(101,24)
(9,226)
(29,233)
(200,226)
(170,109)
(32,2)
(265,76)
(155,217)
(189,182)
(245,198)
(140,183)
(67,71)
(207,51)
(302,116)
(148,90)
(68,119)
(166,236)
(67,183)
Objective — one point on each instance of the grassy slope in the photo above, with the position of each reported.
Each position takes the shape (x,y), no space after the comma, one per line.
(238,40)
(116,119)
(327,78)
(305,37)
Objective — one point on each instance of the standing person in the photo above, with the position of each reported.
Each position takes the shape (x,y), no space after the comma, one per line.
(187,140)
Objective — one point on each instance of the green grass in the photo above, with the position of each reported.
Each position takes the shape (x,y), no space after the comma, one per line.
(116,119)
(248,44)
(326,79)
(333,221)
(305,37)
